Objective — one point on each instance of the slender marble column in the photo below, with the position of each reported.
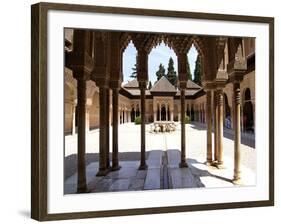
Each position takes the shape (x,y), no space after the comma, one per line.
(134,114)
(118,116)
(107,129)
(155,116)
(172,115)
(73,119)
(115,124)
(143,165)
(220,127)
(103,138)
(237,136)
(130,117)
(81,110)
(183,153)
(215,128)
(209,126)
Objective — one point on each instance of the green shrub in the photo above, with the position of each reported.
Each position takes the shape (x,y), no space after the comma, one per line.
(187,120)
(138,120)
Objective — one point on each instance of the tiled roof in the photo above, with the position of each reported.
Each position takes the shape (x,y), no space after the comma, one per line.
(192,85)
(163,85)
(136,92)
(189,92)
(132,84)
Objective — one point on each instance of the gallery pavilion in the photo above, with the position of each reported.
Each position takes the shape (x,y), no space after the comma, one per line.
(96,99)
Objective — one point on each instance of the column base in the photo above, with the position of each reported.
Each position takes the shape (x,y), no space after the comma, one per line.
(115,167)
(109,168)
(143,167)
(183,164)
(220,165)
(102,172)
(81,190)
(237,181)
(210,163)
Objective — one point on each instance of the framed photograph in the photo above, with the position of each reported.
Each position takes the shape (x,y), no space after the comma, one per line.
(138,111)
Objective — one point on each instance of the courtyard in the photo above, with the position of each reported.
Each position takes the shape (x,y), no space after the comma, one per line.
(163,157)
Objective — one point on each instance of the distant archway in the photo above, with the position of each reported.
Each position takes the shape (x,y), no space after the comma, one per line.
(133,113)
(248,114)
(192,114)
(227,113)
(137,111)
(163,113)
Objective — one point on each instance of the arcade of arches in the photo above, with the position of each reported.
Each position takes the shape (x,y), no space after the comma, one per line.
(95,98)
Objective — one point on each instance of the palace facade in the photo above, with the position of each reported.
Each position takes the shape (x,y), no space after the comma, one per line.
(95,98)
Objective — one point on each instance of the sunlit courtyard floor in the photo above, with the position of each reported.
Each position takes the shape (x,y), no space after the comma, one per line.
(163,156)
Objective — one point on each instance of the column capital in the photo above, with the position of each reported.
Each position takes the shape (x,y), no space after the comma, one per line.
(79,60)
(221,79)
(80,75)
(209,85)
(182,85)
(237,76)
(237,93)
(102,83)
(142,84)
(219,97)
(115,84)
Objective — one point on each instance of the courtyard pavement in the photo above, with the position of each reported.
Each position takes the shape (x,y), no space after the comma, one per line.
(163,157)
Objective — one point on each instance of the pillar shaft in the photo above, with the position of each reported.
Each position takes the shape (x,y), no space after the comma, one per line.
(73,119)
(182,115)
(81,135)
(215,127)
(209,125)
(115,124)
(107,128)
(142,162)
(220,126)
(237,129)
(103,138)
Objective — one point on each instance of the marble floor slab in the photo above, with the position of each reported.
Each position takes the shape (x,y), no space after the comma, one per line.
(163,166)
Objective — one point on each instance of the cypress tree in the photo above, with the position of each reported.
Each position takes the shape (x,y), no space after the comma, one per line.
(149,85)
(198,71)
(189,76)
(171,73)
(160,72)
(134,70)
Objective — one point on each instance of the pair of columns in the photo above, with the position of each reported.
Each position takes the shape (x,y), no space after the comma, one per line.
(218,99)
(158,112)
(218,127)
(217,112)
(125,116)
(104,160)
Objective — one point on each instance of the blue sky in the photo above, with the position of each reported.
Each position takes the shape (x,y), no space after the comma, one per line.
(160,54)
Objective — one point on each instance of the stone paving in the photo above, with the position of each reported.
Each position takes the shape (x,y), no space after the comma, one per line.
(163,157)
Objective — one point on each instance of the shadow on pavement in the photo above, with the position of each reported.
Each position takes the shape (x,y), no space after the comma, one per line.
(227,134)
